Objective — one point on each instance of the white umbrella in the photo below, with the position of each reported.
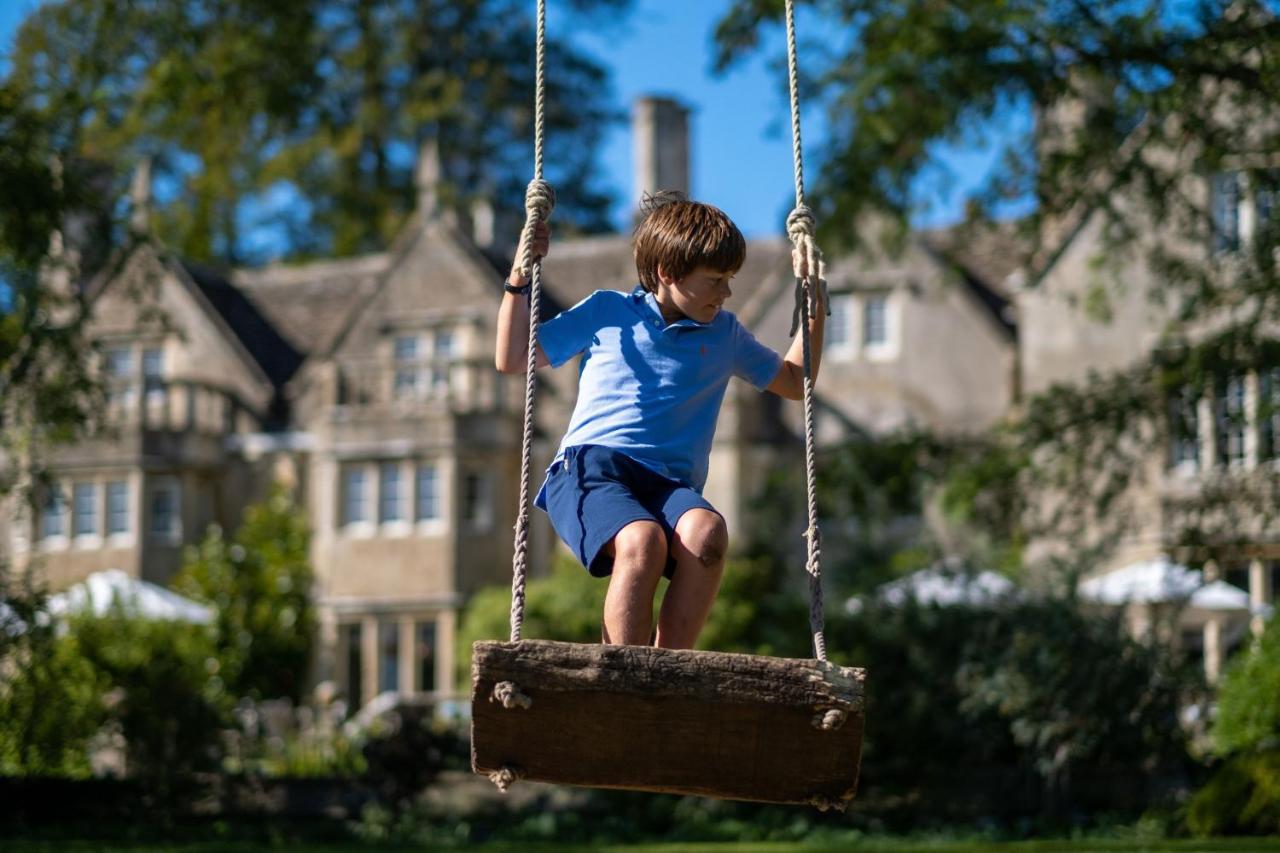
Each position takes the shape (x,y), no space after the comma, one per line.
(1220,595)
(942,584)
(101,590)
(1149,582)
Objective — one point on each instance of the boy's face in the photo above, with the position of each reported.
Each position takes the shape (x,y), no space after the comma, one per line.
(698,296)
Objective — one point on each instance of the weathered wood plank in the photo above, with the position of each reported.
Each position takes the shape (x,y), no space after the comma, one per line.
(706,723)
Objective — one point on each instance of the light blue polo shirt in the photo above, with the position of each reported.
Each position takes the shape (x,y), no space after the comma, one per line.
(649,389)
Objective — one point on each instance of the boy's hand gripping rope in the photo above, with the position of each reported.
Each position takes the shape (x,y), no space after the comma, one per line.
(539,200)
(806,262)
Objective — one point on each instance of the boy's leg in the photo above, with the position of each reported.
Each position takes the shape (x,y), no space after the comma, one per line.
(699,547)
(639,555)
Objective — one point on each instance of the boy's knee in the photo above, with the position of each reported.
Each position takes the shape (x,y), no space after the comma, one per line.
(640,543)
(704,534)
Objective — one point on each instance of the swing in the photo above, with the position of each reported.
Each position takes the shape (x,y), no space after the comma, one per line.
(713,724)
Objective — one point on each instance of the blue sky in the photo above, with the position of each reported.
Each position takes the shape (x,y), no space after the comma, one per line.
(741,149)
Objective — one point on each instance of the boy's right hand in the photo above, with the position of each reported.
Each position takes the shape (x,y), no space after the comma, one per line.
(541,246)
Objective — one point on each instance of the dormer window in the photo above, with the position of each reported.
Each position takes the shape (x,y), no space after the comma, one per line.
(118,363)
(405,355)
(1242,208)
(1224,208)
(423,364)
(153,373)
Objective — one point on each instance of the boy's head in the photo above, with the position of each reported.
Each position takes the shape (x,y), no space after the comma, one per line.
(679,235)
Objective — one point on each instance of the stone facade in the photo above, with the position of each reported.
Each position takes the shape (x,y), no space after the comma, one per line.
(368,385)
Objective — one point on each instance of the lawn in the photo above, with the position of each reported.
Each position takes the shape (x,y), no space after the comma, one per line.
(878,845)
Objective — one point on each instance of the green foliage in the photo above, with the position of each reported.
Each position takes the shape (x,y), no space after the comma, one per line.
(163,694)
(405,752)
(1248,718)
(1075,689)
(1042,686)
(1242,797)
(566,605)
(321,102)
(50,696)
(260,587)
(761,609)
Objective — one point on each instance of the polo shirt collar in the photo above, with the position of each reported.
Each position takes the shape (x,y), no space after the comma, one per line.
(641,297)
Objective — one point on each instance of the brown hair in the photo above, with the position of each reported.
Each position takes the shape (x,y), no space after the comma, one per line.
(681,235)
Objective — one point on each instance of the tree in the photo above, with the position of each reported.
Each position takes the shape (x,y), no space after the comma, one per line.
(164,696)
(50,696)
(259,584)
(1136,105)
(322,103)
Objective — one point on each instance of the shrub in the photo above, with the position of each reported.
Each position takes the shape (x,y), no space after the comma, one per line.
(50,696)
(259,583)
(165,696)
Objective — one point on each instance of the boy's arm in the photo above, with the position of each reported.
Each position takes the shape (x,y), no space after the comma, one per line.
(789,382)
(511,352)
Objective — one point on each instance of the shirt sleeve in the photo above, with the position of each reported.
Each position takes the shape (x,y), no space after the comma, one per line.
(752,360)
(571,331)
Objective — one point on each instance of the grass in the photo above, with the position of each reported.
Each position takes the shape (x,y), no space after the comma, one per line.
(869,845)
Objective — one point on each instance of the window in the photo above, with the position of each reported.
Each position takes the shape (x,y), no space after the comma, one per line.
(1269,414)
(1224,208)
(445,345)
(444,353)
(165,518)
(351,645)
(390,502)
(840,323)
(1231,421)
(388,656)
(117,508)
(875,322)
(405,355)
(428,494)
(425,655)
(84,509)
(1184,431)
(153,373)
(53,516)
(477,509)
(1266,198)
(354,506)
(118,362)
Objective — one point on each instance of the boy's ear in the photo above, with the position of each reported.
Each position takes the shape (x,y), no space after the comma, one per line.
(664,278)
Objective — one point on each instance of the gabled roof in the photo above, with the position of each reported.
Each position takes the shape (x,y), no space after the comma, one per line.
(278,359)
(260,332)
(985,257)
(310,304)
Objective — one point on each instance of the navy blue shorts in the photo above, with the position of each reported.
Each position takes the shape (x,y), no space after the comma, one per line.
(596,491)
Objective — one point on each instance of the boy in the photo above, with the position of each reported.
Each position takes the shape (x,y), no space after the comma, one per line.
(624,490)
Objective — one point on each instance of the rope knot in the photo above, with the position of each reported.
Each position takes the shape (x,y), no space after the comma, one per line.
(510,696)
(829,720)
(801,223)
(806,262)
(539,200)
(504,778)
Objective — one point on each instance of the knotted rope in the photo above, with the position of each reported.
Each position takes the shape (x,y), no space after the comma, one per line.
(806,262)
(539,200)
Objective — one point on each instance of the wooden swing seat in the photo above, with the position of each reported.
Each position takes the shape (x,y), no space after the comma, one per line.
(730,726)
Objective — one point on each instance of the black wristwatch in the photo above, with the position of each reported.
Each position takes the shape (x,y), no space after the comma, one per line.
(522,290)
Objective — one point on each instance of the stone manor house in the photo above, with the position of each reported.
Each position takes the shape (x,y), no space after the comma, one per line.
(368,385)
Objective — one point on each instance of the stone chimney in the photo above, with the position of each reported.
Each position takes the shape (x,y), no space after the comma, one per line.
(427,179)
(660,144)
(140,199)
(483,227)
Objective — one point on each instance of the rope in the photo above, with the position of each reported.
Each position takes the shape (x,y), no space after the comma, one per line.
(539,201)
(806,262)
